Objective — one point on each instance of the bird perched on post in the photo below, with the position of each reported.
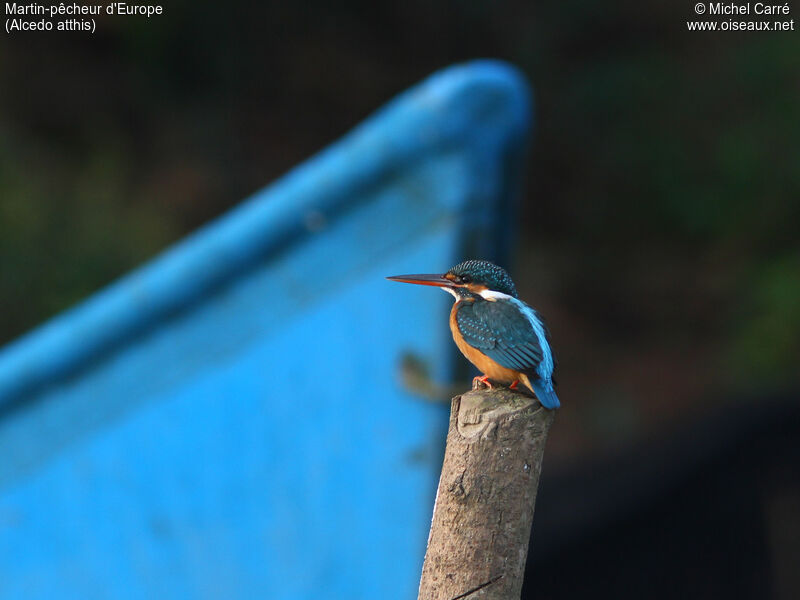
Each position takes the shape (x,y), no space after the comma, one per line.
(497,332)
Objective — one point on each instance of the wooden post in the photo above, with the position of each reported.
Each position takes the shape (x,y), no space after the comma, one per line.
(482,518)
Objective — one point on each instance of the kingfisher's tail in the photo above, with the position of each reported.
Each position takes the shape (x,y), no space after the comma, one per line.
(544,392)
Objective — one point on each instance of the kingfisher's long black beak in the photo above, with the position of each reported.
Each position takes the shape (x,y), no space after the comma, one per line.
(437,280)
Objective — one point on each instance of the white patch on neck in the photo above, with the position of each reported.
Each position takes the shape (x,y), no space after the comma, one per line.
(450,291)
(493,296)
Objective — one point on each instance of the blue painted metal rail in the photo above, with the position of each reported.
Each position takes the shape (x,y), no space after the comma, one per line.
(228,420)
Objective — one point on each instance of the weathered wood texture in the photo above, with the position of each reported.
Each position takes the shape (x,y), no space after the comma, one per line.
(484,505)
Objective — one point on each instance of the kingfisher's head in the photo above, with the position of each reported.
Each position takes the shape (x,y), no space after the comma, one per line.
(468,278)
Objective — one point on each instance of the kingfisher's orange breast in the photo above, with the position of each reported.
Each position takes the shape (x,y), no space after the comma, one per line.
(486,365)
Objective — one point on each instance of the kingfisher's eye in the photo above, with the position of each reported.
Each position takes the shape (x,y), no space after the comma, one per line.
(464,279)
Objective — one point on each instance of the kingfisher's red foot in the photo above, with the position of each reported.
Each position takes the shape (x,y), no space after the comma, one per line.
(514,385)
(484,380)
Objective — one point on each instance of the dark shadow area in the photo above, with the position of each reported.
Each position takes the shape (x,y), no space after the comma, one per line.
(709,511)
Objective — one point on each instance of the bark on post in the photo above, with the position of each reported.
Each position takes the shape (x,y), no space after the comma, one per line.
(484,505)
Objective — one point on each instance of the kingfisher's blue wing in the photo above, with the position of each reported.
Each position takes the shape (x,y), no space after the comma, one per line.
(503,333)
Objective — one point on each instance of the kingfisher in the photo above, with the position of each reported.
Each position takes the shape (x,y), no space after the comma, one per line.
(498,333)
